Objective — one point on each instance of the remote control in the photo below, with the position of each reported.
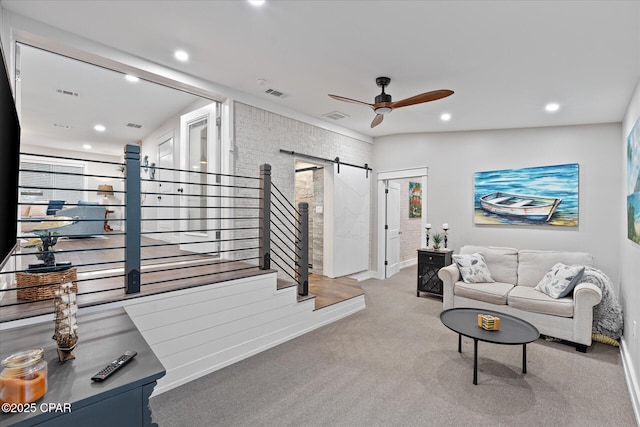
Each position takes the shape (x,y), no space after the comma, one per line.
(114,366)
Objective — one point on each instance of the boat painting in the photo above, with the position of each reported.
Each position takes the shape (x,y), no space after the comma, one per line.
(536,196)
(532,207)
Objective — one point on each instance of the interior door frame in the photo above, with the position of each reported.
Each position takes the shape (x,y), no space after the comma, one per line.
(196,241)
(388,185)
(382,177)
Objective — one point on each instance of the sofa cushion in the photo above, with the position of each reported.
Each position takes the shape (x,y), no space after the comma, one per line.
(494,293)
(533,265)
(502,262)
(473,268)
(528,299)
(38,211)
(560,280)
(54,206)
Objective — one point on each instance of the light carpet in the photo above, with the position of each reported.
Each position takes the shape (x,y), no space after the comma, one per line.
(395,364)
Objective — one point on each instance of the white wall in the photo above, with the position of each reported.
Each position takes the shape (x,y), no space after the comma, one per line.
(150,148)
(630,267)
(452,159)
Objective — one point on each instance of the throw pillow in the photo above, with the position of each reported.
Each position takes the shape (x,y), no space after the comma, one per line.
(473,268)
(560,280)
(38,210)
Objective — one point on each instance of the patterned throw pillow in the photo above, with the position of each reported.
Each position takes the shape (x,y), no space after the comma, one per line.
(473,268)
(560,280)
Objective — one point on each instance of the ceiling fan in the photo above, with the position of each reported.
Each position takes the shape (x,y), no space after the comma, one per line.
(384,105)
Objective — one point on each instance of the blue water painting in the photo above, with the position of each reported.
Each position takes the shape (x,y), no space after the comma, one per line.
(525,185)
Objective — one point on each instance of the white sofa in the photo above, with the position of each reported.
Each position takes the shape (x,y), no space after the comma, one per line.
(516,273)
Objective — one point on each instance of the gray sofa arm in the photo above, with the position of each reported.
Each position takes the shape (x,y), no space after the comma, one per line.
(585,297)
(449,276)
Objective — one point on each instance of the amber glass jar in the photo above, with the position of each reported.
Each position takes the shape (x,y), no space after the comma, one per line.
(24,377)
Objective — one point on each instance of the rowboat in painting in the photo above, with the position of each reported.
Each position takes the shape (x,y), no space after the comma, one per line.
(535,208)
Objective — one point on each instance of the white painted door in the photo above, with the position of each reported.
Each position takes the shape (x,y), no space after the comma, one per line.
(199,195)
(392,265)
(347,221)
(165,199)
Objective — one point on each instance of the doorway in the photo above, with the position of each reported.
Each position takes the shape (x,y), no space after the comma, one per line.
(309,188)
(200,187)
(402,207)
(165,186)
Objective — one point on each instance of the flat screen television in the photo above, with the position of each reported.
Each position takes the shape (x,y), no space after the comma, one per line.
(9,166)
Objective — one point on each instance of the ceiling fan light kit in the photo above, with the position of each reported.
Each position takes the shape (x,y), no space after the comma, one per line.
(384,103)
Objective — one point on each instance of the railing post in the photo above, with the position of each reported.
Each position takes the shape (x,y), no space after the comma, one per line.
(302,269)
(264,234)
(132,219)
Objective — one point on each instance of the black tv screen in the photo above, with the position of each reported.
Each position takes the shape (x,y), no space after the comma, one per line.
(9,166)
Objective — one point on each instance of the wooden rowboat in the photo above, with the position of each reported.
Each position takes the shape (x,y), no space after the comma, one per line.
(535,208)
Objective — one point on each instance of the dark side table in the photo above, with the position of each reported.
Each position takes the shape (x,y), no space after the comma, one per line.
(430,261)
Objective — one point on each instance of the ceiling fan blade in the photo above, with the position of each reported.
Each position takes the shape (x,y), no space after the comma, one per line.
(423,97)
(377,120)
(355,101)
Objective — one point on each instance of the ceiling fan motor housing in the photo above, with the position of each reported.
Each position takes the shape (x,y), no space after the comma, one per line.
(383,97)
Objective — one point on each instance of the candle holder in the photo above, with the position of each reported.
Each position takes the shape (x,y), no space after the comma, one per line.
(428,229)
(445,227)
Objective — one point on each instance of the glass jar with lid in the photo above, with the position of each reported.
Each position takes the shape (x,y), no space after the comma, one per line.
(24,377)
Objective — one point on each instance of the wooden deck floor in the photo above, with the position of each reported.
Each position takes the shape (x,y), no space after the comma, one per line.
(97,285)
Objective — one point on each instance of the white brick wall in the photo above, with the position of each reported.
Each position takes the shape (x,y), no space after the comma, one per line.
(259,135)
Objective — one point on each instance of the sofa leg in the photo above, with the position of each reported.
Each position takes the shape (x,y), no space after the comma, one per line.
(581,348)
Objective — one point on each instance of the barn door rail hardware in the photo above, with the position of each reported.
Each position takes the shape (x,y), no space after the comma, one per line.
(322,159)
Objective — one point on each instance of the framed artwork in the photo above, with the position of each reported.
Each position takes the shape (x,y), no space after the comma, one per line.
(415,200)
(633,183)
(543,195)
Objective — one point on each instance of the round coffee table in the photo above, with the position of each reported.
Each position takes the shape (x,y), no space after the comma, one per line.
(513,331)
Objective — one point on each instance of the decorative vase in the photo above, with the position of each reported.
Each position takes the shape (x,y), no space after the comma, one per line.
(66,326)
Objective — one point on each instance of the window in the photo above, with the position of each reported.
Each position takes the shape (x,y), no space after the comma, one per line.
(41,181)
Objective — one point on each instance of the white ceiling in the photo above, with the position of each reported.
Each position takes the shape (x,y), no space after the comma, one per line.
(97,96)
(504,59)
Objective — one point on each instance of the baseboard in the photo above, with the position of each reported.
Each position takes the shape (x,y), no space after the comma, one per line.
(632,378)
(408,263)
(364,275)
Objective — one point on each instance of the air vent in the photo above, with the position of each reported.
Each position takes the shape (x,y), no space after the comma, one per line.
(335,115)
(67,92)
(276,93)
(58,125)
(133,125)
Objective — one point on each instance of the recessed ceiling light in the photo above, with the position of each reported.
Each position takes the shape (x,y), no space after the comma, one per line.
(131,78)
(551,107)
(256,2)
(86,147)
(181,55)
(100,128)
(445,117)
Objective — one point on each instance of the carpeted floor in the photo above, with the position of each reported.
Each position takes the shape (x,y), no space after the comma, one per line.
(395,364)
